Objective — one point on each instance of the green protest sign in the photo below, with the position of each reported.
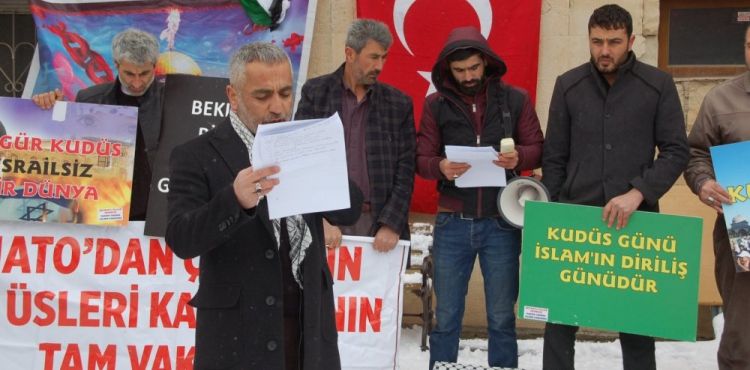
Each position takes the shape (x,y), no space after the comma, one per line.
(642,279)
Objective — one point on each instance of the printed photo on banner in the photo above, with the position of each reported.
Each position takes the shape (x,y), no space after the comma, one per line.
(733,174)
(368,293)
(196,38)
(72,164)
(577,271)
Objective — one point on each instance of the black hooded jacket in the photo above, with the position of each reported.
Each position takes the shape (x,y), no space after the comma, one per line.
(452,118)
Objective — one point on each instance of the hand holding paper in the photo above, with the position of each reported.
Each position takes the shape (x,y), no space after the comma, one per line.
(712,194)
(312,159)
(482,171)
(452,170)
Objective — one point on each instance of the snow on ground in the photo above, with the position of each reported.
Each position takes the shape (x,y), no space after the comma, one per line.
(589,355)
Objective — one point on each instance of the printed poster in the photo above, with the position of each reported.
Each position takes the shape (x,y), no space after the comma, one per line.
(192,106)
(642,279)
(196,37)
(733,173)
(70,164)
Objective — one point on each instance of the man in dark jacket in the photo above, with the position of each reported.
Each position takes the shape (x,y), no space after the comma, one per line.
(473,107)
(378,123)
(135,53)
(252,313)
(606,119)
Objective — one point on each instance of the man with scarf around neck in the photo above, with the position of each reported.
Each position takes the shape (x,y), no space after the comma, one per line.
(135,53)
(607,117)
(474,107)
(265,299)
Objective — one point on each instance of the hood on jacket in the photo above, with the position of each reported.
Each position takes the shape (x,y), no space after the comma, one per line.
(465,38)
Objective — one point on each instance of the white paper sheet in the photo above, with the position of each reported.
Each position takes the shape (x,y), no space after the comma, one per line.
(482,172)
(312,158)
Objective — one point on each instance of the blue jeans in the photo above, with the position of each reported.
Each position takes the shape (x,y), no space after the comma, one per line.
(457,241)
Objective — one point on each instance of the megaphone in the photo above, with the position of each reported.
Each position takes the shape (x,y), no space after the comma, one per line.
(511,199)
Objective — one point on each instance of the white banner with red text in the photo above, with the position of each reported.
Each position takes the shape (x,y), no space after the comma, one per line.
(368,292)
(93,297)
(97,297)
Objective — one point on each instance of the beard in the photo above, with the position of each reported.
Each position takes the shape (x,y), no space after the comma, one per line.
(471,87)
(613,65)
(369,78)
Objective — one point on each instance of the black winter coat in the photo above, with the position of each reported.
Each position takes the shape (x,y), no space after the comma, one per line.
(601,141)
(239,299)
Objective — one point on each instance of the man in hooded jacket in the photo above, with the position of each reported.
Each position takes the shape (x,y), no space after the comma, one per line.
(473,107)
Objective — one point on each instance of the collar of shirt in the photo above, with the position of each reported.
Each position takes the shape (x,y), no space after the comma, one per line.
(349,92)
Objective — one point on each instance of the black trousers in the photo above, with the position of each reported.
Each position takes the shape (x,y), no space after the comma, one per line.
(559,349)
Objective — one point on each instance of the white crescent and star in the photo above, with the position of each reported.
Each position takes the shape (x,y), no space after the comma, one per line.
(401,9)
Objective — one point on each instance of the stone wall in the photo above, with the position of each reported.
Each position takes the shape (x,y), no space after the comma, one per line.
(564,40)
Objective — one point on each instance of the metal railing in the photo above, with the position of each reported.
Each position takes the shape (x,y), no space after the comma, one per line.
(16,53)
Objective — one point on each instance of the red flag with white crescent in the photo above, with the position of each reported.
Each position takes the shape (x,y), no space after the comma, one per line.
(419,29)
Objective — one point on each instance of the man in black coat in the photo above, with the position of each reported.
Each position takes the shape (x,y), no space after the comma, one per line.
(252,313)
(135,53)
(607,117)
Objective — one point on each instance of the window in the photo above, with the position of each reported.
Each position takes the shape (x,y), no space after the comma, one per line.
(17,43)
(703,37)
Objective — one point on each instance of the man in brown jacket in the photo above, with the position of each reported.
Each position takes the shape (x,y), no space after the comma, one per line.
(723,119)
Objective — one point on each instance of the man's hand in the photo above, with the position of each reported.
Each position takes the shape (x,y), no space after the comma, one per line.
(47,100)
(332,235)
(452,170)
(385,239)
(508,160)
(250,185)
(713,195)
(621,207)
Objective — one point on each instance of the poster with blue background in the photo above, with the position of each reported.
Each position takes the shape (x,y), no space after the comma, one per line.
(733,174)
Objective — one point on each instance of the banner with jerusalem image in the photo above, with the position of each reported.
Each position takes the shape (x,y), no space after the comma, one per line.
(731,168)
(641,279)
(70,164)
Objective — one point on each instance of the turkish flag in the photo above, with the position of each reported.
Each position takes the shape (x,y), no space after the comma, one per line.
(420,28)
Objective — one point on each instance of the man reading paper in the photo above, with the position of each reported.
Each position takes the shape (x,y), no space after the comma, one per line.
(251,309)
